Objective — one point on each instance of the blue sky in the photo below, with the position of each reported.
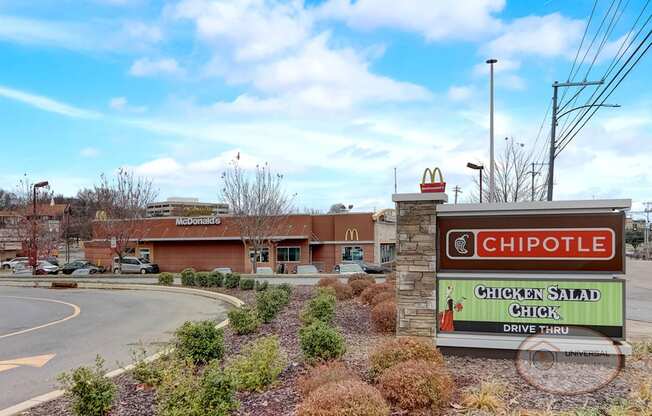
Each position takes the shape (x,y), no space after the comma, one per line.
(333,93)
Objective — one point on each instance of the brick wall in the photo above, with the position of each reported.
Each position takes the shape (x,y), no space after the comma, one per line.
(416,267)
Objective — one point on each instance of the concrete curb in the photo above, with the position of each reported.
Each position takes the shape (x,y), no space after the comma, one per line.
(38,400)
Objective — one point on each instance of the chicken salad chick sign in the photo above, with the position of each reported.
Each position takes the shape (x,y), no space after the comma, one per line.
(525,306)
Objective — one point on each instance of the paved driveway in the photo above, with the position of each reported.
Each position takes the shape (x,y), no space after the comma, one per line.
(44,332)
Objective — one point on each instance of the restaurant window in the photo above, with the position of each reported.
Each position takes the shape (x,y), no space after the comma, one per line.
(352,253)
(288,254)
(387,252)
(144,253)
(263,255)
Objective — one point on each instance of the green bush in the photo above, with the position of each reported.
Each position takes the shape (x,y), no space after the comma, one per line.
(178,392)
(199,342)
(258,365)
(201,279)
(243,320)
(321,308)
(321,342)
(231,280)
(287,288)
(326,290)
(215,279)
(217,392)
(247,284)
(270,303)
(147,372)
(90,392)
(188,277)
(261,285)
(166,279)
(182,393)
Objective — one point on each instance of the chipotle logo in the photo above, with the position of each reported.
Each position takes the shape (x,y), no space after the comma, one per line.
(532,244)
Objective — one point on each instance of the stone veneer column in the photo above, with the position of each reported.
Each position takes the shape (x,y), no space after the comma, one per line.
(416,264)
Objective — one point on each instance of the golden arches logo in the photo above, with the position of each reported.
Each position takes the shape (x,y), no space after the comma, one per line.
(351,234)
(432,173)
(433,185)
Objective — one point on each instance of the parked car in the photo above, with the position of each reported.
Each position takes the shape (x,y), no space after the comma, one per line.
(307,269)
(42,267)
(10,264)
(134,265)
(349,268)
(223,270)
(69,268)
(373,268)
(52,260)
(264,270)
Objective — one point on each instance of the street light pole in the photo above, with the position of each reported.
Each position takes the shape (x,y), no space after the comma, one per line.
(492,182)
(479,168)
(33,252)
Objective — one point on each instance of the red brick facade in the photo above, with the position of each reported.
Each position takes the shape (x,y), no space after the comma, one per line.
(321,240)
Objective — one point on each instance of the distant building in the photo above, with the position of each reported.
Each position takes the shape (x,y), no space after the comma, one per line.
(179,207)
(323,240)
(14,228)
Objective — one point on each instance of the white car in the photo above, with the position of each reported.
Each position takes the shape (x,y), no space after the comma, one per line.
(11,264)
(307,269)
(349,268)
(223,270)
(264,270)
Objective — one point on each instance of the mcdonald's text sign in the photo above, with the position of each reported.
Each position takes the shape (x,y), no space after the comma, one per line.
(561,242)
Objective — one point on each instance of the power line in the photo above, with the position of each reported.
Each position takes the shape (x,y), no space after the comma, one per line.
(595,109)
(580,116)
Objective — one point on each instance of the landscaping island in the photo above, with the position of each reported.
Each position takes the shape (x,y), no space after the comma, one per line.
(327,350)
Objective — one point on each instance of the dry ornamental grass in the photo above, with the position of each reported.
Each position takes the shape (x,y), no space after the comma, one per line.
(417,384)
(344,398)
(398,350)
(323,374)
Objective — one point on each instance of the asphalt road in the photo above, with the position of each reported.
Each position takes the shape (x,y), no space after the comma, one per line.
(639,290)
(105,322)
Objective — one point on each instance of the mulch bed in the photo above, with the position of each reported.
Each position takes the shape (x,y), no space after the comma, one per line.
(354,321)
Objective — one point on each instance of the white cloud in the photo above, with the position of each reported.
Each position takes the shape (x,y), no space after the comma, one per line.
(549,36)
(161,167)
(46,104)
(89,152)
(460,93)
(319,77)
(434,20)
(122,104)
(148,67)
(256,29)
(88,36)
(118,103)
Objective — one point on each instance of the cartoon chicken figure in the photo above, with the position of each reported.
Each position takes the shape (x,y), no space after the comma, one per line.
(446,324)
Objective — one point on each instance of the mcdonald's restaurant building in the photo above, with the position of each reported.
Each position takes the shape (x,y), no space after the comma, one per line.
(205,243)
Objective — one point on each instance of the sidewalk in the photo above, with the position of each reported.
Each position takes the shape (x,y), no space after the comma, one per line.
(639,330)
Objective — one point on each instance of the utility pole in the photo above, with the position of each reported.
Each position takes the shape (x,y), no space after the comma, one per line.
(534,173)
(553,126)
(492,182)
(647,230)
(457,190)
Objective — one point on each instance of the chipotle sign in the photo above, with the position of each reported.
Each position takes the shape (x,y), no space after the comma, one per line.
(564,242)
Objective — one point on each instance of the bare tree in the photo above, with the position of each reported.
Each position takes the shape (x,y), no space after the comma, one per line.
(513,177)
(259,204)
(121,203)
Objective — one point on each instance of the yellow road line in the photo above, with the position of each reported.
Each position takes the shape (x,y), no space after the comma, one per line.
(76,311)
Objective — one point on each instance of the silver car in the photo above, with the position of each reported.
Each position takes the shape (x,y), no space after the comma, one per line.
(133,265)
